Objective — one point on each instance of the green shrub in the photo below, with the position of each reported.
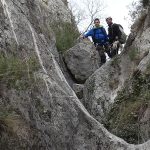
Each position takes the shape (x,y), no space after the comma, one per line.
(123,119)
(66,35)
(17,73)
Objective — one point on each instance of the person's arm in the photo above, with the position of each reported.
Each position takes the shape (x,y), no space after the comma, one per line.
(117,32)
(110,36)
(89,33)
(105,34)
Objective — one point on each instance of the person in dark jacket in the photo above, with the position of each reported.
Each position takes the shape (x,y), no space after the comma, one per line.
(114,35)
(100,39)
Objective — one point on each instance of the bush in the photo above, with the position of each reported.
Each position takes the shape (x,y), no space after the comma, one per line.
(66,35)
(129,106)
(17,73)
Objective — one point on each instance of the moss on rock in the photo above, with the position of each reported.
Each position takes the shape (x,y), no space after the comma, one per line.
(134,54)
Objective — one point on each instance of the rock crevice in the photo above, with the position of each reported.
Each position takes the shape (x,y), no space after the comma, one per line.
(38,108)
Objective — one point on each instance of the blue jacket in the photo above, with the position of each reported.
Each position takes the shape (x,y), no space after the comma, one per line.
(98,34)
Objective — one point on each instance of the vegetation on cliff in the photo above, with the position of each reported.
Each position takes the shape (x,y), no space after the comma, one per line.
(131,103)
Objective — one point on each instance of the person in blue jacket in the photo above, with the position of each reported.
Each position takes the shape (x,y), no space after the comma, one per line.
(100,39)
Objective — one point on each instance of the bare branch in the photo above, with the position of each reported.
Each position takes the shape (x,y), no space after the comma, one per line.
(135,9)
(90,8)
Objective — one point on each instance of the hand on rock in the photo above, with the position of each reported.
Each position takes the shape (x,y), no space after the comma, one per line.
(115,45)
(82,36)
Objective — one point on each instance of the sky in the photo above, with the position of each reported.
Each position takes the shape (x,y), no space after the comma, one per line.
(117,9)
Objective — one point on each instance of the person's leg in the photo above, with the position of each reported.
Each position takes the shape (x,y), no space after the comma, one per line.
(108,51)
(114,52)
(103,58)
(101,52)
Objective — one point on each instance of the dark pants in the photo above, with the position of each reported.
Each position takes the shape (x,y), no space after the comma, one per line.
(114,52)
(101,50)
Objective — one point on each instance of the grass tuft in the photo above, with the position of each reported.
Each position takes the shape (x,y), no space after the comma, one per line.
(17,73)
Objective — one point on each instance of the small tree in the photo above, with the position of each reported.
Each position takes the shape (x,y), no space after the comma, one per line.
(78,13)
(95,8)
(135,9)
(90,10)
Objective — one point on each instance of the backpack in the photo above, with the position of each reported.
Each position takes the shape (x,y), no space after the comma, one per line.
(93,37)
(123,35)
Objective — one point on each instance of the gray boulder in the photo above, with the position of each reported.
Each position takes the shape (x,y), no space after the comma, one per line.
(82,60)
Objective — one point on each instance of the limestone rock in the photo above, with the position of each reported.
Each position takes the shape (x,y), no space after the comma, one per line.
(102,89)
(38,109)
(145,125)
(82,60)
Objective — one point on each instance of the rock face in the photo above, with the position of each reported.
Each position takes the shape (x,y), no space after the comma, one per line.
(101,89)
(82,60)
(78,89)
(136,97)
(145,124)
(38,109)
(116,94)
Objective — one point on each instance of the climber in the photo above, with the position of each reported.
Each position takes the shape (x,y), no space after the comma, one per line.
(116,36)
(100,39)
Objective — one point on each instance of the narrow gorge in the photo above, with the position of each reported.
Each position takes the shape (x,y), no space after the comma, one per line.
(53,93)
